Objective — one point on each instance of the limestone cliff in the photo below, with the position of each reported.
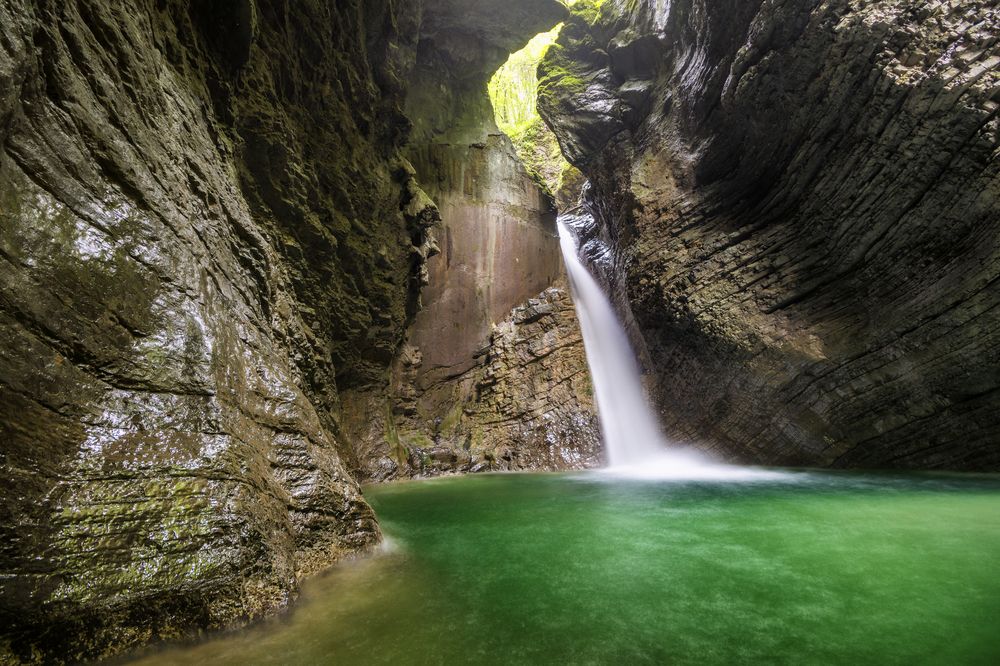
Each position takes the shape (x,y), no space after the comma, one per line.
(801,201)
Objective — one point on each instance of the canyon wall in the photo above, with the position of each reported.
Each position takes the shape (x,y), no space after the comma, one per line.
(801,203)
(498,249)
(206,232)
(212,240)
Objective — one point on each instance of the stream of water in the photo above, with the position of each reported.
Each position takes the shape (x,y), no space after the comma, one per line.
(631,434)
(633,441)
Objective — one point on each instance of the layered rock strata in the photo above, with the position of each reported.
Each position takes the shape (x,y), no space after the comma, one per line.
(801,200)
(210,234)
(527,403)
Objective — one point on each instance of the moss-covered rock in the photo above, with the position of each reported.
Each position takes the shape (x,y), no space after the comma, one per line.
(576,91)
(513,92)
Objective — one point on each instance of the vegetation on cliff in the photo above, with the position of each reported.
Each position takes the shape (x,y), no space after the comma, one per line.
(514,92)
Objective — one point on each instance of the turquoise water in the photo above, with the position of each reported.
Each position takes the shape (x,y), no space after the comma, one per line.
(805,568)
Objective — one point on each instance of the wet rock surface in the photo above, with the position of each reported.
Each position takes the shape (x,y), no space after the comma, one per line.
(526,403)
(175,319)
(498,250)
(801,201)
(209,236)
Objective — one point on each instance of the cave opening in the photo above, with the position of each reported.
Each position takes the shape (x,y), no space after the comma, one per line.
(513,92)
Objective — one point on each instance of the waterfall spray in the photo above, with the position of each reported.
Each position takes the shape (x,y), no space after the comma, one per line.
(632,437)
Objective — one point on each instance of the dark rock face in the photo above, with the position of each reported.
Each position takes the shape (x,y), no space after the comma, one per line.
(802,200)
(190,273)
(209,234)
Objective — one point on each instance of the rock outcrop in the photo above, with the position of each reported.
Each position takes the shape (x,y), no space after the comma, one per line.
(498,249)
(211,238)
(495,244)
(201,242)
(801,199)
(498,245)
(526,404)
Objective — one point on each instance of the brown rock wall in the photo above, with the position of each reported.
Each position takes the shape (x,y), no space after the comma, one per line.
(498,247)
(527,403)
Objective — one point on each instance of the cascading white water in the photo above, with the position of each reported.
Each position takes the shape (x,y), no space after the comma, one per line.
(632,437)
(631,433)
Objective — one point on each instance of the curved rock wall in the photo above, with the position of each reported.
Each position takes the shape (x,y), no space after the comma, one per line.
(202,240)
(210,240)
(802,200)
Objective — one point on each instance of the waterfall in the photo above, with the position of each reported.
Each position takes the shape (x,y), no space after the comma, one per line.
(631,433)
(632,437)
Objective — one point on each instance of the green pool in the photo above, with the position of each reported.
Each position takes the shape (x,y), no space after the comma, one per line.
(793,568)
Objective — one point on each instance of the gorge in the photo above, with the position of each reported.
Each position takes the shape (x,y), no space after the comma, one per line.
(256,253)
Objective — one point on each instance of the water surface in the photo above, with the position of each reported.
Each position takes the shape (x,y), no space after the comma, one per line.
(800,568)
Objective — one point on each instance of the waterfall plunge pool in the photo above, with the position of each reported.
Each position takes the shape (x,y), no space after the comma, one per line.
(791,568)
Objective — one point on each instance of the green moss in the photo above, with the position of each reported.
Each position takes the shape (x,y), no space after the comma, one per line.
(417,440)
(476,439)
(514,86)
(590,10)
(451,420)
(559,77)
(539,151)
(514,91)
(601,11)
